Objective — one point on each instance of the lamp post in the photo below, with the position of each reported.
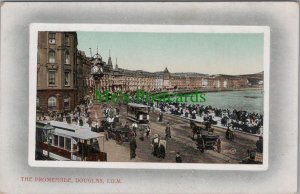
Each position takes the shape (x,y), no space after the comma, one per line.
(48,131)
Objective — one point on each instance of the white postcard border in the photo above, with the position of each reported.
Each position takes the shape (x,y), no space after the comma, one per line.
(35,27)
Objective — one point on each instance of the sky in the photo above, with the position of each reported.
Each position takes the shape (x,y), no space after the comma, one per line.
(209,53)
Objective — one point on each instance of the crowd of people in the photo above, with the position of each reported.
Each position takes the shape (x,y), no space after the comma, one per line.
(241,120)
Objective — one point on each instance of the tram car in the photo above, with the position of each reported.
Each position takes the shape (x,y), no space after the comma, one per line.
(138,113)
(62,141)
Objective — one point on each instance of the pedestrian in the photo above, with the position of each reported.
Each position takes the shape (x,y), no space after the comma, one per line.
(147,131)
(134,127)
(118,111)
(155,144)
(160,116)
(162,148)
(110,121)
(168,131)
(194,114)
(153,108)
(178,158)
(219,145)
(133,147)
(186,114)
(97,126)
(89,121)
(80,122)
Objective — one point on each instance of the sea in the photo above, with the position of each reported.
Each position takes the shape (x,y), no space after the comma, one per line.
(250,101)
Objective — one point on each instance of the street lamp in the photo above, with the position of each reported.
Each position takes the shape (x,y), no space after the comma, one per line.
(48,132)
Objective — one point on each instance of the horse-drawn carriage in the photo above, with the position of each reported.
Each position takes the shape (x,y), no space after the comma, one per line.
(122,134)
(206,138)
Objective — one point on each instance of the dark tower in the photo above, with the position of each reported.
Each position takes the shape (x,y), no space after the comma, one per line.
(109,62)
(116,67)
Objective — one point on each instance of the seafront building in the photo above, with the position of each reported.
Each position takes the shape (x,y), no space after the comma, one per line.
(64,79)
(56,71)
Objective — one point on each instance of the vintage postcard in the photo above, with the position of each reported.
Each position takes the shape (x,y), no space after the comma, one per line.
(149,96)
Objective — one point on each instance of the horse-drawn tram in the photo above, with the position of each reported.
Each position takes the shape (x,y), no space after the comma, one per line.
(62,141)
(138,113)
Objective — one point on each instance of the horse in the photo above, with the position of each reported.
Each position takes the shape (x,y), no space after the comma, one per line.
(195,129)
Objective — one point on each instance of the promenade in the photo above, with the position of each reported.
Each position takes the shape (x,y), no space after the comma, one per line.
(232,151)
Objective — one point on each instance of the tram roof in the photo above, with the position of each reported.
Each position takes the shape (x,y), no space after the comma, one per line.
(65,129)
(138,105)
(80,134)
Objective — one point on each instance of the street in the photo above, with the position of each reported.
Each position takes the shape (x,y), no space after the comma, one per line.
(232,151)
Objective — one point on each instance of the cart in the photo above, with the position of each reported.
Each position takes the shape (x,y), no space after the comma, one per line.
(254,157)
(121,135)
(209,141)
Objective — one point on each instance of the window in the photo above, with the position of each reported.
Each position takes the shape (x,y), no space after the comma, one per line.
(204,82)
(51,56)
(55,140)
(66,39)
(225,84)
(44,137)
(67,58)
(68,143)
(66,102)
(61,142)
(51,38)
(67,78)
(51,78)
(52,102)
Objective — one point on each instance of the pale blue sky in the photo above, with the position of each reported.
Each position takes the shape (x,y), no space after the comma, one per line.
(211,53)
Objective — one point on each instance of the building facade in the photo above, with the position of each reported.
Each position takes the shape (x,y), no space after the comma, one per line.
(64,77)
(56,71)
(116,79)
(85,81)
